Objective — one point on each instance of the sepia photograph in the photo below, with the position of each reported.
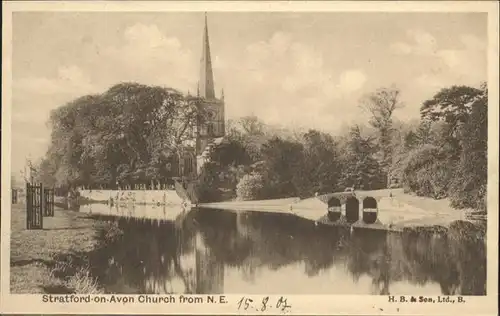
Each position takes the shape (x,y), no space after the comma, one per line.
(286,153)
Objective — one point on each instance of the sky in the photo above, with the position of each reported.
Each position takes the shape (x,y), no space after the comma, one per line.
(304,70)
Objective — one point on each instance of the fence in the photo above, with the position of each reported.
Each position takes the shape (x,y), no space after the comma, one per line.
(153,185)
(39,203)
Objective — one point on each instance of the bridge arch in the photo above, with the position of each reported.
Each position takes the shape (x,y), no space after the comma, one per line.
(352,209)
(370,210)
(334,209)
(369,203)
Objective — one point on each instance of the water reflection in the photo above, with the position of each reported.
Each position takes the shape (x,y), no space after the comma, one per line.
(211,251)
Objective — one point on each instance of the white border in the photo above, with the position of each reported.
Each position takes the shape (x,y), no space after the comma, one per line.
(306,304)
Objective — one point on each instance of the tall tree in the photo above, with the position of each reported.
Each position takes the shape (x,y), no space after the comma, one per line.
(360,168)
(321,169)
(452,106)
(381,104)
(469,185)
(423,132)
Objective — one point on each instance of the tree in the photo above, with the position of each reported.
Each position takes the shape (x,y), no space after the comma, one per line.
(130,133)
(223,171)
(423,133)
(468,188)
(360,168)
(321,169)
(250,132)
(251,125)
(46,171)
(283,159)
(451,106)
(411,140)
(427,171)
(381,105)
(231,153)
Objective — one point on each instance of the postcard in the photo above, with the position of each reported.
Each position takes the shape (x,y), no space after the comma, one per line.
(274,158)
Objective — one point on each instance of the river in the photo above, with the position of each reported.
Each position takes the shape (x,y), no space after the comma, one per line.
(202,251)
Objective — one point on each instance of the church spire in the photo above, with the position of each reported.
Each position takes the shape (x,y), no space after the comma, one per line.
(206,84)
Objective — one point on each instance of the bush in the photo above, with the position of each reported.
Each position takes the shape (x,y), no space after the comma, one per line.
(251,187)
(415,161)
(433,180)
(441,175)
(427,172)
(468,191)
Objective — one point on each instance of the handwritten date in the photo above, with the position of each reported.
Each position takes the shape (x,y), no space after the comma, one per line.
(246,303)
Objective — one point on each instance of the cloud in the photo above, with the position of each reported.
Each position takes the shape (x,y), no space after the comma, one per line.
(468,63)
(465,64)
(148,56)
(271,77)
(32,100)
(34,97)
(424,43)
(144,55)
(421,43)
(401,48)
(281,75)
(472,42)
(69,80)
(352,80)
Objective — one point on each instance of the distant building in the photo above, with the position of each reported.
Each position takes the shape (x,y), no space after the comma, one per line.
(210,129)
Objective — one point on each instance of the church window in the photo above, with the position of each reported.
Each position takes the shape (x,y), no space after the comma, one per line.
(188,165)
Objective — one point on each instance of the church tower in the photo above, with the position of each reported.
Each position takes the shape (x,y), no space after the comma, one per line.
(211,125)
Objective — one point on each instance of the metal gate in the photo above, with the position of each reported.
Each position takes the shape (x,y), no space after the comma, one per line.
(48,202)
(34,206)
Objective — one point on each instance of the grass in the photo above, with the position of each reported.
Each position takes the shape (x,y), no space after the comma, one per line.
(52,260)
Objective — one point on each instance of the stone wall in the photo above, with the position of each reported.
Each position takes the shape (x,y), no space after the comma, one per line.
(158,197)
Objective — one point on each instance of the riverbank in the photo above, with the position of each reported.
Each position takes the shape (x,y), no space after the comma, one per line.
(421,202)
(397,209)
(427,203)
(46,261)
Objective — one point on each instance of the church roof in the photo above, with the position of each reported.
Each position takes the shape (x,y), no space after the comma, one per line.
(206,84)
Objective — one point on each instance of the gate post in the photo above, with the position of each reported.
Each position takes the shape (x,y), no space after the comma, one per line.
(40,212)
(14,196)
(29,205)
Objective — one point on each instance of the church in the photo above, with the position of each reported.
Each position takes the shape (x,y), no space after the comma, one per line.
(210,130)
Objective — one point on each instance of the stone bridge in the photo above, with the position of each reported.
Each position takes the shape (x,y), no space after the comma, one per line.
(341,198)
(353,202)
